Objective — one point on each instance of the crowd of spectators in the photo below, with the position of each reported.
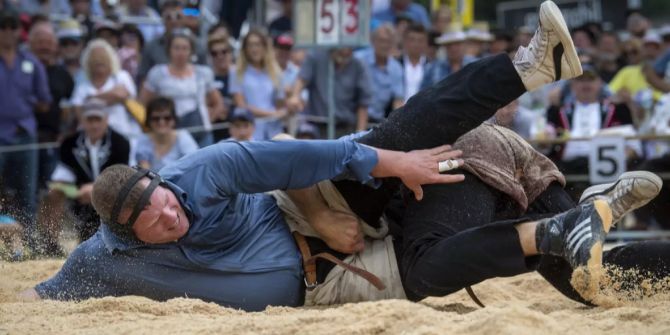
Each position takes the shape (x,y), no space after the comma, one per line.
(146,82)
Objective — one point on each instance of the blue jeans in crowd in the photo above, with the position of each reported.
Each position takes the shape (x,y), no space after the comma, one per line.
(18,173)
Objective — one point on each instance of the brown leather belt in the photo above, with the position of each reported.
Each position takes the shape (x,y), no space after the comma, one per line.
(309,265)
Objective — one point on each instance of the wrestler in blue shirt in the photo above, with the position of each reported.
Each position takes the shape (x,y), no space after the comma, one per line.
(235,248)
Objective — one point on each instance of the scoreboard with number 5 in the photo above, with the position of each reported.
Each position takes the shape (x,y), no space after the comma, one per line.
(331,23)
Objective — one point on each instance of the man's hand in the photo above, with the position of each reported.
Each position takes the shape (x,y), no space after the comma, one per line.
(28,295)
(340,231)
(418,167)
(295,104)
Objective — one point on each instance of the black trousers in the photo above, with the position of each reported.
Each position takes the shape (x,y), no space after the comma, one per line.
(454,238)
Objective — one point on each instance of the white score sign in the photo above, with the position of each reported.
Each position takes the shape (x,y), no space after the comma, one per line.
(607,159)
(331,23)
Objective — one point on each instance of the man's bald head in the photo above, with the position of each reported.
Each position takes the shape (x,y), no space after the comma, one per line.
(43,42)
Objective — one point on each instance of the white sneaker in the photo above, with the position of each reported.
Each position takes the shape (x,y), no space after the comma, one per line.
(550,55)
(631,191)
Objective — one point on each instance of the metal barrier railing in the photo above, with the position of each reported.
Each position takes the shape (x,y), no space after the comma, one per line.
(53,145)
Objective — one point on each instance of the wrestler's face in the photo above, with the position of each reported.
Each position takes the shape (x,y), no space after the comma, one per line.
(163,220)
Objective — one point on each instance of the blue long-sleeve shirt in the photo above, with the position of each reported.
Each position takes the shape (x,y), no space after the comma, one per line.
(238,251)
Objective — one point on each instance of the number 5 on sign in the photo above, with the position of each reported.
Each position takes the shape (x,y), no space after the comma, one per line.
(327,22)
(607,159)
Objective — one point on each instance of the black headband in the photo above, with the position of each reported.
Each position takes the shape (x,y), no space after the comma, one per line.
(126,230)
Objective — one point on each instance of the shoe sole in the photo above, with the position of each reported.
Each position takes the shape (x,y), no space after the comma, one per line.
(555,18)
(603,189)
(588,278)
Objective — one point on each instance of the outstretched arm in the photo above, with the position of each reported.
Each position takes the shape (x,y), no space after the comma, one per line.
(255,167)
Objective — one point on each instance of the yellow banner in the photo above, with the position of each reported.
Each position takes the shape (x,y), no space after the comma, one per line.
(463,11)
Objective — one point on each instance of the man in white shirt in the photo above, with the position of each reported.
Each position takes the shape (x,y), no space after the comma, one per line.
(413,60)
(82,157)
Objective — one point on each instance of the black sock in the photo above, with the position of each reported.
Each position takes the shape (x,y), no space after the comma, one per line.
(548,238)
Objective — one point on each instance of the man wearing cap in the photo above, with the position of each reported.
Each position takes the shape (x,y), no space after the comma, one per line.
(242,125)
(42,42)
(83,156)
(24,89)
(70,46)
(203,228)
(454,43)
(283,44)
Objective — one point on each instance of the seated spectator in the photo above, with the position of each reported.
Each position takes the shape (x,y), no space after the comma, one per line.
(256,85)
(105,80)
(221,54)
(82,157)
(385,74)
(454,43)
(585,116)
(190,86)
(242,125)
(162,144)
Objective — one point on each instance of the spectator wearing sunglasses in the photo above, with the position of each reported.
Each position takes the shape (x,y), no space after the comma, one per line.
(163,144)
(70,46)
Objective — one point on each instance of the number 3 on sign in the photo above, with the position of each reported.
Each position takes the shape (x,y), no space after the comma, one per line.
(351,17)
(607,159)
(328,23)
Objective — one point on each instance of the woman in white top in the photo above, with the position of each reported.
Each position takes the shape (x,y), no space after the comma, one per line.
(104,80)
(256,85)
(191,87)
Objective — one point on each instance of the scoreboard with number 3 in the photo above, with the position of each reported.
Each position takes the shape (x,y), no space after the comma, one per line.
(331,23)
